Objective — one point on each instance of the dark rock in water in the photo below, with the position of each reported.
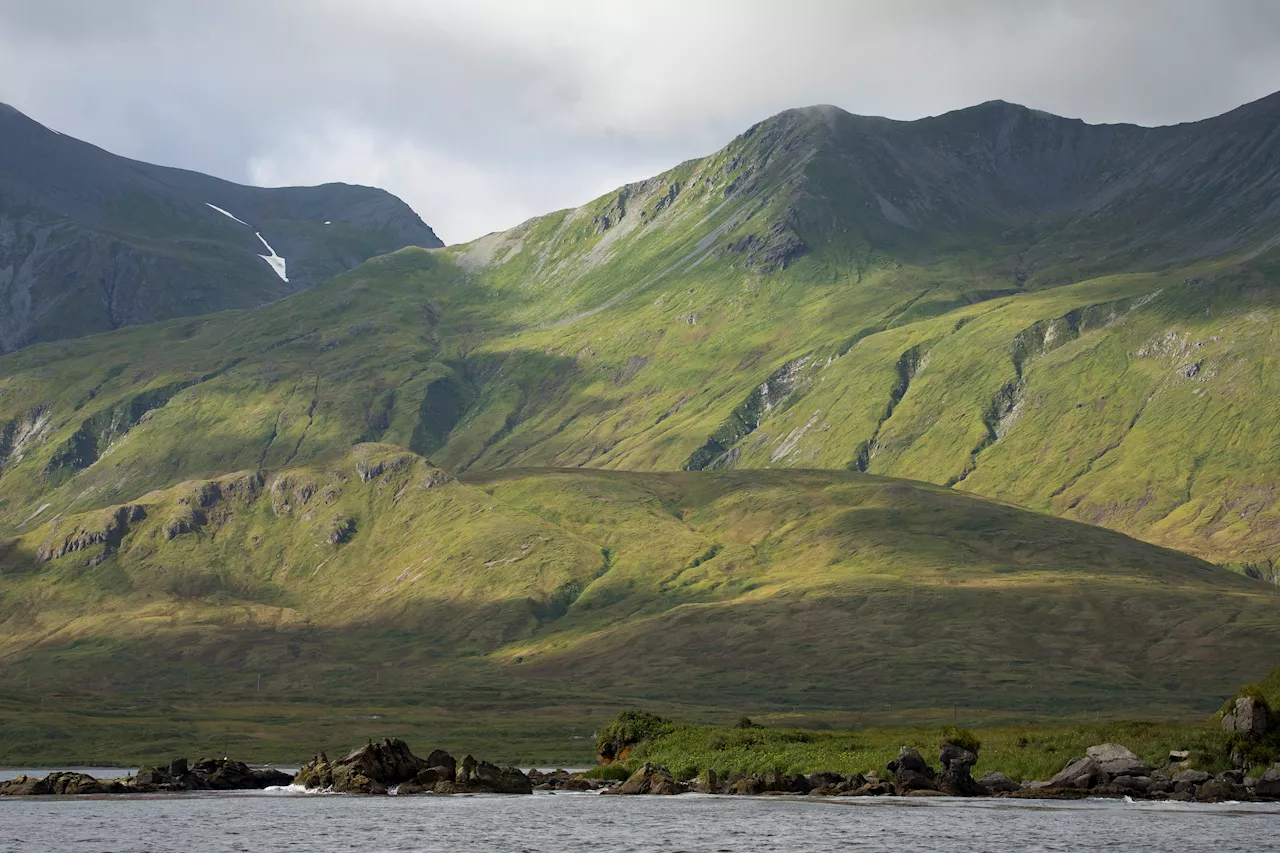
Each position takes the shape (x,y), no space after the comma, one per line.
(371,769)
(649,780)
(60,784)
(221,774)
(1115,760)
(911,772)
(957,765)
(1247,716)
(209,775)
(997,783)
(491,779)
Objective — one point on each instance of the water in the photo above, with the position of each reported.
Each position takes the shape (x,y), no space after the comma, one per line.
(566,823)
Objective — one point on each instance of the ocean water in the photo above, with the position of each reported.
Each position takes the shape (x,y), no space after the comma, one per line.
(572,822)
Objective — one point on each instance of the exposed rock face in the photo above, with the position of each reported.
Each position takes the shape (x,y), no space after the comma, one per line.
(911,773)
(1247,716)
(1114,760)
(649,780)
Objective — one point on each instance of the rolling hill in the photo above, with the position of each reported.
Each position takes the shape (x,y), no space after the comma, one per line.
(952,316)
(90,241)
(381,579)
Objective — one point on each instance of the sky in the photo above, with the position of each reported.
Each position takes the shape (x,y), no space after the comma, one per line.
(483,113)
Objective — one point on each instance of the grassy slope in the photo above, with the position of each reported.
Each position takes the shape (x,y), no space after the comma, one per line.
(1021,752)
(830,594)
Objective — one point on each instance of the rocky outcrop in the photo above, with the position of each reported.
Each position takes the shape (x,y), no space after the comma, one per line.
(380,768)
(371,769)
(649,779)
(957,764)
(1247,715)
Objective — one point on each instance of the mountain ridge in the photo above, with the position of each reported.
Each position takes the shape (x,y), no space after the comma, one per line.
(91,241)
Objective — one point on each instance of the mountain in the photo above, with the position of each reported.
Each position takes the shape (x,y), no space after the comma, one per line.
(90,241)
(1017,308)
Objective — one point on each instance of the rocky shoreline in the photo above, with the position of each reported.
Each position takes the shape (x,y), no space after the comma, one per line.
(212,774)
(1107,770)
(391,767)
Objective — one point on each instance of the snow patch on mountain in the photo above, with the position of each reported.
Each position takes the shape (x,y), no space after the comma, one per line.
(228,215)
(277,262)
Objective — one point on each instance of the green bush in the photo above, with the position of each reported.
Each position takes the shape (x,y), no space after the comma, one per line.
(962,738)
(626,730)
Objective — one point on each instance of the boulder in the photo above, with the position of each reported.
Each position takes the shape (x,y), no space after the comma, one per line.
(1186,781)
(222,774)
(997,783)
(911,772)
(1246,715)
(957,764)
(649,780)
(1115,760)
(1131,784)
(1269,783)
(706,783)
(873,786)
(1080,774)
(747,786)
(444,763)
(492,779)
(1219,790)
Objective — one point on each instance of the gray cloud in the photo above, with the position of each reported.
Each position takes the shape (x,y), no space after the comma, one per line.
(481,113)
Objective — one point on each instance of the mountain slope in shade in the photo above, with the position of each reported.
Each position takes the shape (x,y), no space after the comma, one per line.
(90,241)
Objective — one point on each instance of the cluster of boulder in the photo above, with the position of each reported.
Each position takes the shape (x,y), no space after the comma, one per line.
(1111,770)
(1107,770)
(390,766)
(211,774)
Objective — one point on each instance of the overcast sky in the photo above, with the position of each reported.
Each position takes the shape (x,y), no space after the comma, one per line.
(482,113)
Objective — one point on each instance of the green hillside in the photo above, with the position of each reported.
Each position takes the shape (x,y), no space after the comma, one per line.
(383,580)
(1004,304)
